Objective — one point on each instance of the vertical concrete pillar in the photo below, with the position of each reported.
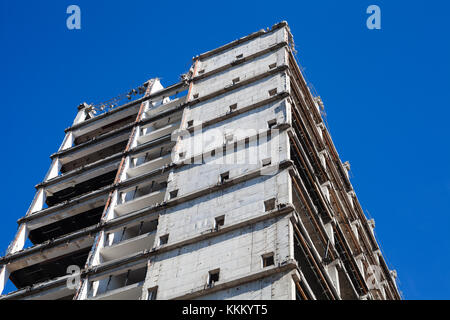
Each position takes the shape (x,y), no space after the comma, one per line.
(38,201)
(19,241)
(332,270)
(68,141)
(54,169)
(4,276)
(83,112)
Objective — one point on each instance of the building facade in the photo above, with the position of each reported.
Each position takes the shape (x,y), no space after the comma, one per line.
(225,185)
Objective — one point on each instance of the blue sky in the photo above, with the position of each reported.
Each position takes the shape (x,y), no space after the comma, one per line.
(386,94)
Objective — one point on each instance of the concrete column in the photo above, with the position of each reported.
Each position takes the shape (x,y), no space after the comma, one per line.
(113,201)
(354,225)
(350,196)
(325,190)
(83,290)
(320,127)
(97,258)
(347,168)
(359,261)
(83,110)
(54,169)
(333,273)
(371,224)
(68,142)
(38,201)
(19,241)
(322,156)
(4,276)
(330,231)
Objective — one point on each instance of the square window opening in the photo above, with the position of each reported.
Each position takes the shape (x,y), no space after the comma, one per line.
(213,277)
(220,221)
(163,239)
(272,123)
(269,205)
(225,176)
(268,260)
(173,194)
(152,293)
(266,162)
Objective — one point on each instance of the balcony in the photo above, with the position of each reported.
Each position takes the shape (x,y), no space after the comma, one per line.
(124,286)
(128,247)
(140,202)
(130,292)
(165,107)
(155,133)
(149,166)
(130,239)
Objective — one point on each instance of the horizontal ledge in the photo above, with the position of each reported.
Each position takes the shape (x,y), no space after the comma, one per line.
(284,266)
(239,41)
(74,236)
(111,134)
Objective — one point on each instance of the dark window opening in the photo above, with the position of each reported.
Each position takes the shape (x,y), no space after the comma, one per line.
(268,260)
(233,107)
(163,239)
(152,293)
(93,157)
(66,226)
(266,162)
(49,269)
(220,221)
(213,277)
(224,177)
(269,204)
(105,129)
(173,194)
(272,123)
(81,188)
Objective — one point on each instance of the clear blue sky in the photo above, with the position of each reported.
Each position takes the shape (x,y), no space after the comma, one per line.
(386,93)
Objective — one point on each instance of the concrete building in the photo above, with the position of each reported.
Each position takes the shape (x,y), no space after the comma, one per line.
(225,185)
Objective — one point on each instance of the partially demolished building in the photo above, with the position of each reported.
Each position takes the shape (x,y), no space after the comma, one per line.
(225,185)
